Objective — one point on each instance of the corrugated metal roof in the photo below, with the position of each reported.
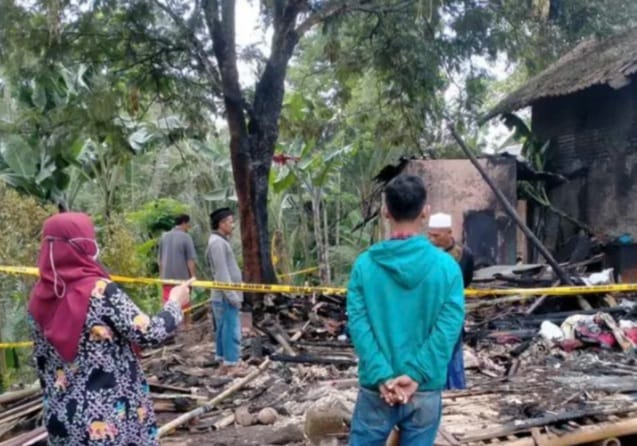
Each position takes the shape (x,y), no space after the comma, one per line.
(593,62)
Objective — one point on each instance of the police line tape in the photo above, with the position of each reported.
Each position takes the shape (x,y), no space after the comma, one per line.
(209,284)
(22,344)
(339,291)
(307,290)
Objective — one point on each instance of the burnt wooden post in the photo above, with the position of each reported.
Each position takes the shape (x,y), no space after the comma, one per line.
(510,210)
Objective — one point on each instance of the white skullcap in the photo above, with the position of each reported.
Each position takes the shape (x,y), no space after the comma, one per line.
(440,221)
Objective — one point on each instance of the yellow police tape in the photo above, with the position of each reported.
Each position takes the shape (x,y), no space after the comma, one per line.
(23,344)
(247,287)
(309,290)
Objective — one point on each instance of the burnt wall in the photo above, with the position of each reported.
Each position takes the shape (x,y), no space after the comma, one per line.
(593,137)
(454,186)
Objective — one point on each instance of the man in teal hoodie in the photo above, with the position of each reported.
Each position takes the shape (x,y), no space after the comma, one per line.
(405,304)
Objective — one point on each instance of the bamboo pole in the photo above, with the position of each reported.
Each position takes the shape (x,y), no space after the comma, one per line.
(207,407)
(27,439)
(11,397)
(584,435)
(511,212)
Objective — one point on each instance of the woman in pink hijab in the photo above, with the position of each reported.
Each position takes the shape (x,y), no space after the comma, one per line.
(84,328)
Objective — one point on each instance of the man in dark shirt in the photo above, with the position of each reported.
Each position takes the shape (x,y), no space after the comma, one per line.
(440,234)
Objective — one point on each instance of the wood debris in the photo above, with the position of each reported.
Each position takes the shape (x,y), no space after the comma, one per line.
(523,390)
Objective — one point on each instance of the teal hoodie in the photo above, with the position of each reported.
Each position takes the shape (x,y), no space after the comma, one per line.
(405,305)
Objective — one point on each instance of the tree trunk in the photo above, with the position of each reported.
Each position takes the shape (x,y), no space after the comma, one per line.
(251,180)
(252,148)
(254,126)
(324,268)
(326,244)
(337,231)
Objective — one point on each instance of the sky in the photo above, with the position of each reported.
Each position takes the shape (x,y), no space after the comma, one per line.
(250,32)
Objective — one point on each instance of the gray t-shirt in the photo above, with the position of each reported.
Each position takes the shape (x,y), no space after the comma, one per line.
(175,249)
(223,265)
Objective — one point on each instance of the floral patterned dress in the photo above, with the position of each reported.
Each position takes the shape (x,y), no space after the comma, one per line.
(102,397)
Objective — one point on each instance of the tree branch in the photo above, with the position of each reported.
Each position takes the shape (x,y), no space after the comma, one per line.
(333,7)
(221,27)
(326,10)
(198,47)
(400,6)
(196,13)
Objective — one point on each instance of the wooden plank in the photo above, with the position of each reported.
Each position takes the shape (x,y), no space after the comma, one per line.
(521,426)
(586,434)
(26,407)
(23,413)
(27,439)
(11,397)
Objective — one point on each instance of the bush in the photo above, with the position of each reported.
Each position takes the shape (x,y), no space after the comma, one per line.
(22,218)
(151,221)
(123,255)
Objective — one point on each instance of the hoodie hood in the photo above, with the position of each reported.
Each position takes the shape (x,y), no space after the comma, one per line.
(407,261)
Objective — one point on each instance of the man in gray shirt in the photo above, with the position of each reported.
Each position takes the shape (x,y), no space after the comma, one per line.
(225,304)
(177,254)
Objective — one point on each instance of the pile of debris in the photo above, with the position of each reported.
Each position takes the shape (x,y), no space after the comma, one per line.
(526,385)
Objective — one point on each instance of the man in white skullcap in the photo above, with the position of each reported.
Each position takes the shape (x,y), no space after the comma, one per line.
(440,234)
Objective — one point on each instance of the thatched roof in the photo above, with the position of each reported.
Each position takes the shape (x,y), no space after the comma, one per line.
(610,62)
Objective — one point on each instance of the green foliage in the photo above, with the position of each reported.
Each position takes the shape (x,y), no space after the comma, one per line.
(107,106)
(22,217)
(154,218)
(158,216)
(119,250)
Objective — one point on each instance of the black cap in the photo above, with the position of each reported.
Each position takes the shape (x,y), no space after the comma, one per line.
(219,214)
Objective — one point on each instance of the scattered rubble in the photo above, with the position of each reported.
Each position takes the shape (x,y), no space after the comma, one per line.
(526,382)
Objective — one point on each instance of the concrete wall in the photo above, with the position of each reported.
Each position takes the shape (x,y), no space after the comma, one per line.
(593,137)
(456,187)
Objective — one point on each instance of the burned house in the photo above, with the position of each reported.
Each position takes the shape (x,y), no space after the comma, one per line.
(585,104)
(479,220)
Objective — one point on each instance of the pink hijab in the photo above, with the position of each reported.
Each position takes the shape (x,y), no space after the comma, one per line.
(68,271)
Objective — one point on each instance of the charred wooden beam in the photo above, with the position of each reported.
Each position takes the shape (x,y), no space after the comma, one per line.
(306,359)
(510,210)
